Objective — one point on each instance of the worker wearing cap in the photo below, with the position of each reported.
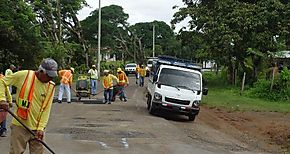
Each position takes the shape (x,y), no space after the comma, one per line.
(34,98)
(8,72)
(123,81)
(108,86)
(93,72)
(3,114)
(142,72)
(65,84)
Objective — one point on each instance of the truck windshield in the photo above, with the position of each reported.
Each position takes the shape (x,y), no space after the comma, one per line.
(131,65)
(181,79)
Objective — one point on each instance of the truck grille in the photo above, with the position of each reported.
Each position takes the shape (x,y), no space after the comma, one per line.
(177,101)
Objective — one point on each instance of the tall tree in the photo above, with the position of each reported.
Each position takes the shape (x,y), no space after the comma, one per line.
(232,30)
(20,42)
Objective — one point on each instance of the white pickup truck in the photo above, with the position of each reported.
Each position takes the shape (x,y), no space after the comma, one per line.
(175,85)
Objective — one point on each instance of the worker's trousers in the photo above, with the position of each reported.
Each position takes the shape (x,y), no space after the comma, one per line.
(141,82)
(94,85)
(64,88)
(110,93)
(19,139)
(122,92)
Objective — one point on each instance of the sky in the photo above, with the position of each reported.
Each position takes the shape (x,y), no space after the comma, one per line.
(139,10)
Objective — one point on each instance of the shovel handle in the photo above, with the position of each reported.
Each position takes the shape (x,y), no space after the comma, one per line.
(30,131)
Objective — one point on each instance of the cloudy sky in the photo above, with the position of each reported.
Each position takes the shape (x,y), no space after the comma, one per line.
(139,10)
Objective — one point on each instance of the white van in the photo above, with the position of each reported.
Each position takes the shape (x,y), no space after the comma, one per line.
(175,85)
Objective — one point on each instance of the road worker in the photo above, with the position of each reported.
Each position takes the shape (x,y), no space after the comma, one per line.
(108,86)
(123,82)
(93,72)
(142,72)
(3,114)
(65,84)
(137,73)
(34,97)
(9,71)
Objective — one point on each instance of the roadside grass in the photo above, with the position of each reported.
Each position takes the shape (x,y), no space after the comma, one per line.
(230,99)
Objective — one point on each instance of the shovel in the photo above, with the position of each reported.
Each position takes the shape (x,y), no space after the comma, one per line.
(30,131)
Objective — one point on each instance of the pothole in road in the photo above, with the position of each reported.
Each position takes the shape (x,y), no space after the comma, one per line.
(94,135)
(231,147)
(122,120)
(92,125)
(79,118)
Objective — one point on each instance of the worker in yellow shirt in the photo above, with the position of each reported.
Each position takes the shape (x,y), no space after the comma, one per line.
(137,69)
(123,81)
(3,114)
(65,84)
(34,98)
(108,86)
(8,72)
(142,72)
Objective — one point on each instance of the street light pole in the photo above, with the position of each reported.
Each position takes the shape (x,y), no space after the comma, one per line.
(153,38)
(99,40)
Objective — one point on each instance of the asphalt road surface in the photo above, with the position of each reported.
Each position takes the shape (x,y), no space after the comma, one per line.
(90,128)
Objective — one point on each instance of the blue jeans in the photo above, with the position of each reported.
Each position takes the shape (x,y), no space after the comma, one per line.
(110,93)
(94,85)
(3,126)
(122,92)
(141,81)
(64,88)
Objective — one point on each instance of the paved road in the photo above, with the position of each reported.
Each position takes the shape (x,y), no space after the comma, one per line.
(80,128)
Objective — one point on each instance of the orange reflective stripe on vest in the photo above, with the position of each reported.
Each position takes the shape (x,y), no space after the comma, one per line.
(66,77)
(26,95)
(108,81)
(121,77)
(50,89)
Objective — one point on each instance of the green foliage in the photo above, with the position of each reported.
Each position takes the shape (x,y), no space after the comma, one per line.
(249,31)
(280,91)
(19,38)
(211,79)
(230,99)
(112,66)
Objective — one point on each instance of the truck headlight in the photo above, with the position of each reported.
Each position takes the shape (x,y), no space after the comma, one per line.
(157,96)
(196,103)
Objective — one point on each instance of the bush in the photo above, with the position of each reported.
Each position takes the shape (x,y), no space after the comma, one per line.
(212,79)
(112,66)
(280,90)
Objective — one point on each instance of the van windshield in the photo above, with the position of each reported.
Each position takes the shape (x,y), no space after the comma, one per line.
(180,79)
(131,65)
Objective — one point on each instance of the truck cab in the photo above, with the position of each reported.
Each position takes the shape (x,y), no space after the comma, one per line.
(175,85)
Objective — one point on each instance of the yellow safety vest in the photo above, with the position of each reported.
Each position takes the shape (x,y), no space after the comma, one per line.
(26,95)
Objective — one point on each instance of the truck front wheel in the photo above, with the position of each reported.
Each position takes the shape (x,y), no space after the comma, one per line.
(148,101)
(150,105)
(191,117)
(152,108)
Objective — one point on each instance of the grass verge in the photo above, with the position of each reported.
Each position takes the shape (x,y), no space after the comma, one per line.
(230,99)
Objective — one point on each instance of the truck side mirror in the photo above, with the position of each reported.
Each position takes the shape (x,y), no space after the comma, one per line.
(154,78)
(204,91)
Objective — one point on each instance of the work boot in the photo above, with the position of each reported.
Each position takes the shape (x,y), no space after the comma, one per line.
(4,134)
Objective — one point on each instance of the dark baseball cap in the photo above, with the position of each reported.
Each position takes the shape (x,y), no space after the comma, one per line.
(49,66)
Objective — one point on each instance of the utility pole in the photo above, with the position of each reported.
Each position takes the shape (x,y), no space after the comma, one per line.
(99,40)
(153,38)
